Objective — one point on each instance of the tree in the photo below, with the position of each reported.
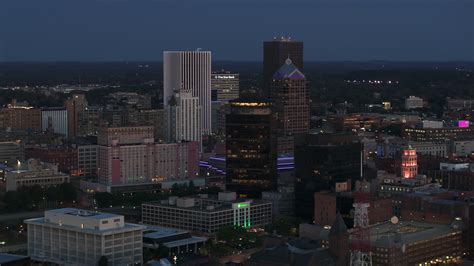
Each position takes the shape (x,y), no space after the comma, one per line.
(211,190)
(175,189)
(191,186)
(36,192)
(162,251)
(287,226)
(237,237)
(103,261)
(67,192)
(147,255)
(12,201)
(104,199)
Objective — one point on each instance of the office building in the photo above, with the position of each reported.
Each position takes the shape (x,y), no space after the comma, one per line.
(124,135)
(409,167)
(328,204)
(349,122)
(283,201)
(155,118)
(75,104)
(251,159)
(177,241)
(438,134)
(322,161)
(55,119)
(207,215)
(129,99)
(394,146)
(415,243)
(459,104)
(87,160)
(20,117)
(88,120)
(397,187)
(443,207)
(462,148)
(183,116)
(275,53)
(413,102)
(455,180)
(290,97)
(129,155)
(33,172)
(65,157)
(78,237)
(219,111)
(189,71)
(225,86)
(11,152)
(431,124)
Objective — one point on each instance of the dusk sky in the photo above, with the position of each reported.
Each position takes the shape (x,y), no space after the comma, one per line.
(116,30)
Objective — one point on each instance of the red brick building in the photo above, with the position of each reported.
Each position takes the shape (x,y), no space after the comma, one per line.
(21,118)
(443,207)
(327,204)
(65,157)
(354,121)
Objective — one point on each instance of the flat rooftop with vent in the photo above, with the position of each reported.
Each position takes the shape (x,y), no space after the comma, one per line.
(72,236)
(207,214)
(84,219)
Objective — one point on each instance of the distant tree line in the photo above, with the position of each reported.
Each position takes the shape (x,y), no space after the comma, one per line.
(105,199)
(35,197)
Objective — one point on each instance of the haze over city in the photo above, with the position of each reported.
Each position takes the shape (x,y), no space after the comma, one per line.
(121,30)
(237,133)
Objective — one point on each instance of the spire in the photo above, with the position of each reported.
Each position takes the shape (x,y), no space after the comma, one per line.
(288,70)
(339,227)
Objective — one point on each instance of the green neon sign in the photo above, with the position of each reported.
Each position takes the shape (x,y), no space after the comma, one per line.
(242,205)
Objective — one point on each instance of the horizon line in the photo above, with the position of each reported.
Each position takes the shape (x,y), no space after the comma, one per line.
(242,61)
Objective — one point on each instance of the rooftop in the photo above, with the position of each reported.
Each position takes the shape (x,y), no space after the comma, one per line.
(7,258)
(204,204)
(406,232)
(161,231)
(84,213)
(169,237)
(84,221)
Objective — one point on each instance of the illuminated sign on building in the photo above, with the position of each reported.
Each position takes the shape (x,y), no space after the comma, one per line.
(242,205)
(225,77)
(242,214)
(463,123)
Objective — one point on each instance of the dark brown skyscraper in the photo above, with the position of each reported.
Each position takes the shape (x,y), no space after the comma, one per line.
(290,96)
(251,156)
(276,52)
(291,99)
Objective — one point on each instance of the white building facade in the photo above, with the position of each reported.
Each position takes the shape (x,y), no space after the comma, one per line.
(413,102)
(56,118)
(189,71)
(34,172)
(183,115)
(129,155)
(78,237)
(462,148)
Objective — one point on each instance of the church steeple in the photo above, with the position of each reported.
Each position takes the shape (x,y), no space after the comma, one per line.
(339,241)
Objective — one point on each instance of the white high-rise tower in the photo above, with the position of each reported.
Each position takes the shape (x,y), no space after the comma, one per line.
(189,71)
(183,115)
